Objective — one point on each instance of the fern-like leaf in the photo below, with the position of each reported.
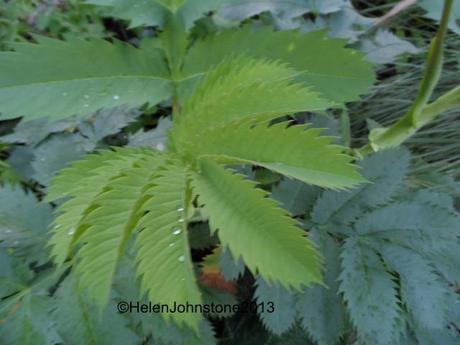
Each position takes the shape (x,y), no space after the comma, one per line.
(295,152)
(109,223)
(57,79)
(282,317)
(241,89)
(253,227)
(92,174)
(384,170)
(163,255)
(426,296)
(337,73)
(321,309)
(370,293)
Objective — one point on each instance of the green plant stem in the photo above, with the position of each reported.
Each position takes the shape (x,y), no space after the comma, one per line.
(174,41)
(421,112)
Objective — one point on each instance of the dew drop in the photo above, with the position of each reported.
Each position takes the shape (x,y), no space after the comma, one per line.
(116,97)
(57,226)
(171,244)
(181,220)
(71,231)
(177,232)
(160,146)
(180,209)
(85,96)
(181,258)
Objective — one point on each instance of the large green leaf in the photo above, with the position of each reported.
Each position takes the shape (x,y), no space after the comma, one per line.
(58,79)
(295,151)
(243,89)
(92,172)
(339,74)
(163,253)
(109,224)
(254,227)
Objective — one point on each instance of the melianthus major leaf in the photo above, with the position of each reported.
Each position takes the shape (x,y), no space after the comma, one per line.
(385,172)
(426,296)
(282,316)
(164,261)
(296,152)
(243,89)
(135,188)
(370,293)
(61,78)
(320,308)
(252,226)
(337,73)
(109,222)
(92,173)
(414,224)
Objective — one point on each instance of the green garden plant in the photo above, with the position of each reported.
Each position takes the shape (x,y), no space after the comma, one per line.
(224,90)
(367,261)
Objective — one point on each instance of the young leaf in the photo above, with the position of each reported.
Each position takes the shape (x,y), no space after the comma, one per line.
(57,79)
(109,222)
(92,173)
(253,227)
(339,74)
(243,89)
(163,253)
(295,152)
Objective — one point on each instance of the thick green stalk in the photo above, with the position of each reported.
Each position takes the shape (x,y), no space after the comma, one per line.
(421,112)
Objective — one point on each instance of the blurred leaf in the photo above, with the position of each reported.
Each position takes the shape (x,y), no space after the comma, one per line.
(434,11)
(24,223)
(385,47)
(56,153)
